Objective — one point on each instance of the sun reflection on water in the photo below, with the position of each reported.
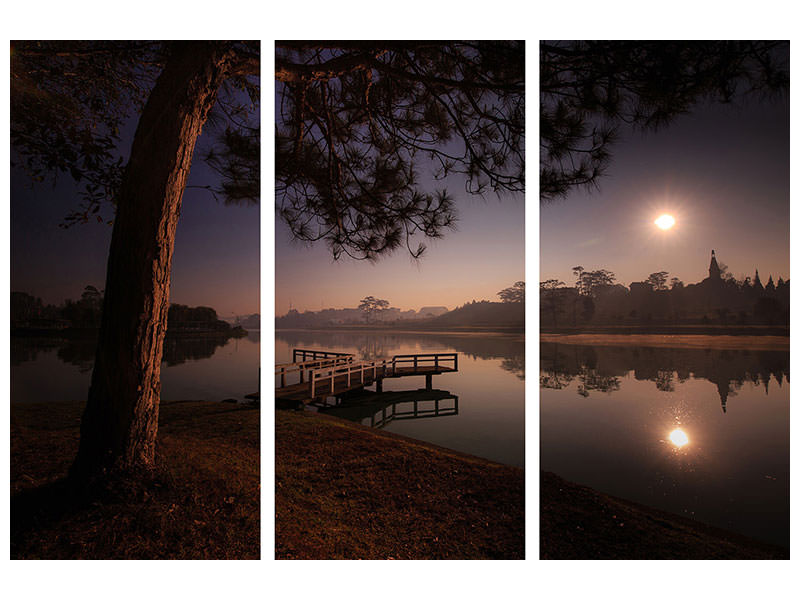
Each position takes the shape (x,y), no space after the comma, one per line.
(678,437)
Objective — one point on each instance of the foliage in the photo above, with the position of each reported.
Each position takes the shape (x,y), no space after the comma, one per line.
(515,293)
(357,122)
(372,307)
(587,282)
(71,100)
(657,280)
(590,90)
(550,300)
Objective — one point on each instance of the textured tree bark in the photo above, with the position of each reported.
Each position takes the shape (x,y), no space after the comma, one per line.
(118,430)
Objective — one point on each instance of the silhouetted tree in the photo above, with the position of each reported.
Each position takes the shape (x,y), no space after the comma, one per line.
(24,307)
(356,120)
(550,300)
(658,280)
(589,281)
(578,271)
(675,284)
(372,306)
(588,309)
(515,293)
(725,272)
(68,101)
(588,90)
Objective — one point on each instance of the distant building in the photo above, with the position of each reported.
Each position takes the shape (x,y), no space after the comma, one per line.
(713,268)
(432,311)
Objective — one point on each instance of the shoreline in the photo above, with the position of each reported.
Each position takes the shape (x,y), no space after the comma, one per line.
(463,332)
(719,342)
(578,522)
(711,330)
(345,491)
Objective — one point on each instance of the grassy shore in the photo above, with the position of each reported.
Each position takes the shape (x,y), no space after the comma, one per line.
(580,523)
(348,491)
(202,503)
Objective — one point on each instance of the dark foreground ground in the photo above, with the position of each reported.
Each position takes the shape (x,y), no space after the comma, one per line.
(580,523)
(347,491)
(202,503)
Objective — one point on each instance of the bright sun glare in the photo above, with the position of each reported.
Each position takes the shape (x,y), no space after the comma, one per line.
(665,221)
(678,437)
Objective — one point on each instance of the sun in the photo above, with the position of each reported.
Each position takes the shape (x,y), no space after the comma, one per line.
(665,221)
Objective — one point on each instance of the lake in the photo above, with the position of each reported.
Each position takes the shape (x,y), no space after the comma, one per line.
(193,368)
(699,432)
(480,410)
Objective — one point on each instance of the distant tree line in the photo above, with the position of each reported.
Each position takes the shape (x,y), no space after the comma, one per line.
(508,313)
(29,312)
(720,299)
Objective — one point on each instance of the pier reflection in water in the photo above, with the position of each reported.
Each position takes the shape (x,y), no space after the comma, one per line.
(696,431)
(378,410)
(485,412)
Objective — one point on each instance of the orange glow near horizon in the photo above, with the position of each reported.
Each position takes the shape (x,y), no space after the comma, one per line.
(678,437)
(665,222)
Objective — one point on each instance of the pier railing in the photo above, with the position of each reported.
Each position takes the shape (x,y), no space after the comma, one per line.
(306,355)
(285,369)
(426,361)
(349,372)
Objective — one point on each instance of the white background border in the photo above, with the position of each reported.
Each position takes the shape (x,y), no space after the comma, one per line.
(413,19)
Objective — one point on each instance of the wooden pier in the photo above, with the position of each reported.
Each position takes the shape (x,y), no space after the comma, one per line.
(322,374)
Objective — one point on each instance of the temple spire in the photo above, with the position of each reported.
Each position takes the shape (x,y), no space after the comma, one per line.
(713,268)
(757,283)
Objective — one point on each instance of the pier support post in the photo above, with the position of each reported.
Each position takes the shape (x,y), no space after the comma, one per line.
(429,381)
(379,386)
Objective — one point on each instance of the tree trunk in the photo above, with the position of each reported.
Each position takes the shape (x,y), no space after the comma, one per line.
(119,425)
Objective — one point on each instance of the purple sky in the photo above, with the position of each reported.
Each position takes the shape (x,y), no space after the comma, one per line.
(722,172)
(215,262)
(485,254)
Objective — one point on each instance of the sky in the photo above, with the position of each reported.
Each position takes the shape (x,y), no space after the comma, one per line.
(721,171)
(215,262)
(485,254)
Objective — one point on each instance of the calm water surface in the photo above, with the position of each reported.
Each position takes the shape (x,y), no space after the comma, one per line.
(482,412)
(699,432)
(51,370)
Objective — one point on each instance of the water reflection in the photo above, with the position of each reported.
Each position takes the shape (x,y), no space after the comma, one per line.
(699,432)
(46,369)
(482,411)
(80,351)
(727,369)
(370,345)
(378,410)
(678,437)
